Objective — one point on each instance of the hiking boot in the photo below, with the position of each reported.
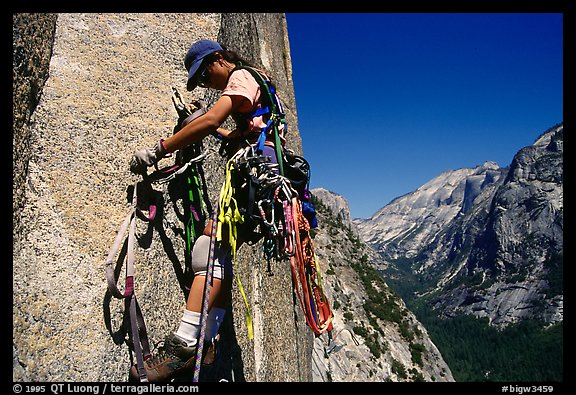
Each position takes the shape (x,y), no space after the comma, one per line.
(174,358)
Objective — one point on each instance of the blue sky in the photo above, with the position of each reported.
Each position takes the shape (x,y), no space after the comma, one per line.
(387,102)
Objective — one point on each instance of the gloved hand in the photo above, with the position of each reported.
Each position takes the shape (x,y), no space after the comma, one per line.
(145,157)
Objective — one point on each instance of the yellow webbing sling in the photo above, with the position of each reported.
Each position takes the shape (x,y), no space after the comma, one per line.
(230,215)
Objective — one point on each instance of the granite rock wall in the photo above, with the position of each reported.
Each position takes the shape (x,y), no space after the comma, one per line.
(107,92)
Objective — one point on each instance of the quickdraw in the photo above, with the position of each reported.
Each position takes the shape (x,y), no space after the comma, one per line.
(289,233)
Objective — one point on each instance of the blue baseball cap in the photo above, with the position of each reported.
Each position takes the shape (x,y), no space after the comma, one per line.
(196,54)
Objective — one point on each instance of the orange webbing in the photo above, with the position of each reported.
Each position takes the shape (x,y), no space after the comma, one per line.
(305,273)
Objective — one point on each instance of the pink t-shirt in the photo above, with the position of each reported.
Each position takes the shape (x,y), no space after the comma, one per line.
(241,83)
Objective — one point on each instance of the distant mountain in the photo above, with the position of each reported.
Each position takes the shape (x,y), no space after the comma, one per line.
(336,203)
(414,220)
(486,241)
(375,337)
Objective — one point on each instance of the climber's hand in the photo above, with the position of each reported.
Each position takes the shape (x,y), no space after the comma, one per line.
(145,157)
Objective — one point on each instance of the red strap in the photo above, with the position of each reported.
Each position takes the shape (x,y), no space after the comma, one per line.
(304,272)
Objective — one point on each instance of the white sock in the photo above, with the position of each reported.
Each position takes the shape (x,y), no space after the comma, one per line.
(189,327)
(215,318)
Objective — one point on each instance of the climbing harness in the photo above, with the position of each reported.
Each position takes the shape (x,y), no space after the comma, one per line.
(272,113)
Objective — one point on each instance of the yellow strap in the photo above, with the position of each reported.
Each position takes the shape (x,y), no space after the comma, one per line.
(228,210)
(249,325)
(229,214)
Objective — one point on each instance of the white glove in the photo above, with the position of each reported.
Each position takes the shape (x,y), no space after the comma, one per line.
(145,157)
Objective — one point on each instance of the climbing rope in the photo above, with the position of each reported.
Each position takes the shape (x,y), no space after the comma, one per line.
(206,299)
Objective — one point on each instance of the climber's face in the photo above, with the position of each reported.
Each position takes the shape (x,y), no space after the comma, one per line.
(214,74)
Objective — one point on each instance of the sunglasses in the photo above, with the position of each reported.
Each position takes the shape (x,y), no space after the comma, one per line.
(204,76)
